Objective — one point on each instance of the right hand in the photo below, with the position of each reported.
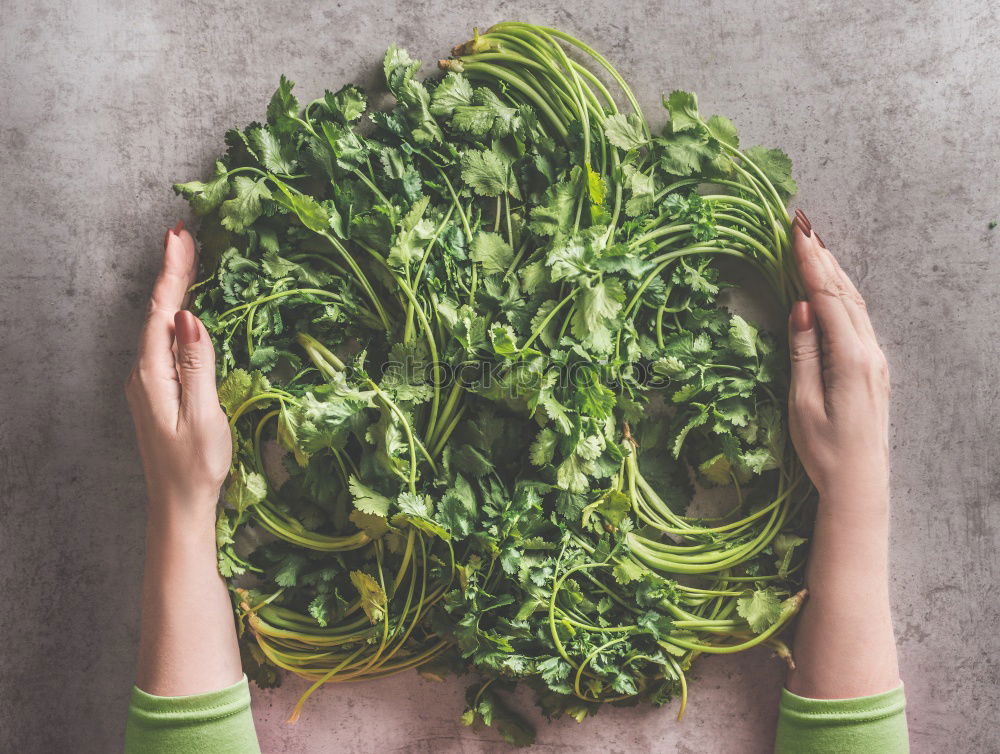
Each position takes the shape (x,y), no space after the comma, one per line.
(839,397)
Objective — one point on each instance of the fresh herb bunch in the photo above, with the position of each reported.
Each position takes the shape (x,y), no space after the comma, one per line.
(475,365)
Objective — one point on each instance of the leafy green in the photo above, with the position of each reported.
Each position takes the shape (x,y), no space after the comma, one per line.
(368,500)
(245,488)
(492,251)
(206,196)
(488,173)
(625,131)
(777,167)
(240,212)
(683,109)
(760,608)
(473,350)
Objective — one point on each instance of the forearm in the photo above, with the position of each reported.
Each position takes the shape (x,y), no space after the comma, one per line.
(188,636)
(844,645)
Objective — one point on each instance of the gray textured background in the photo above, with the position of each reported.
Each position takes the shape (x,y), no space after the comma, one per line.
(889,111)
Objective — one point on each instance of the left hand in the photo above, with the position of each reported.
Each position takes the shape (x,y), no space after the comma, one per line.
(182,432)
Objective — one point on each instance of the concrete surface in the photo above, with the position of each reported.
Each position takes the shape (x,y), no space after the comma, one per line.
(890,113)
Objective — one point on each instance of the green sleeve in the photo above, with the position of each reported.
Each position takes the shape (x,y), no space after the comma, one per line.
(218,722)
(866,725)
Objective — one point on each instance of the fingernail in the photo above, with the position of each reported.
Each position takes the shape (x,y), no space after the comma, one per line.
(797,223)
(804,223)
(179,227)
(820,241)
(186,328)
(166,237)
(802,316)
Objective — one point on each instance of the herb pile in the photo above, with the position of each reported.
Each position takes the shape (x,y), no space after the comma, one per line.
(473,357)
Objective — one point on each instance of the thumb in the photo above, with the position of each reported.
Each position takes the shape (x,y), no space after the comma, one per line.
(195,367)
(806,393)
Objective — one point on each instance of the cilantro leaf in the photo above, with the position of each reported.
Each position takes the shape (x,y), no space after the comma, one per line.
(683,153)
(240,212)
(683,109)
(206,196)
(373,598)
(400,71)
(489,173)
(594,315)
(625,131)
(457,508)
(274,155)
(245,488)
(348,104)
(283,110)
(544,447)
(556,211)
(760,608)
(723,129)
(452,91)
(412,236)
(777,166)
(492,251)
(368,500)
(485,114)
(238,387)
(743,337)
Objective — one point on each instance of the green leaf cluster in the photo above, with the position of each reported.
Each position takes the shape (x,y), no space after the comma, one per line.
(475,351)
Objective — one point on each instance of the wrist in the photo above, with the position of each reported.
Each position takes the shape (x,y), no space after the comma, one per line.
(857,494)
(850,542)
(182,508)
(180,549)
(192,521)
(858,506)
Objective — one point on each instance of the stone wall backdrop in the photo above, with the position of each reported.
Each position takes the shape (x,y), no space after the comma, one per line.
(890,112)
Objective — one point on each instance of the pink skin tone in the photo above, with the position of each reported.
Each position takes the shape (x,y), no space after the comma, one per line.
(188,637)
(839,410)
(838,405)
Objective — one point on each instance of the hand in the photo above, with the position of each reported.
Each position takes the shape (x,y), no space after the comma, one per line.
(182,432)
(187,642)
(839,414)
(839,398)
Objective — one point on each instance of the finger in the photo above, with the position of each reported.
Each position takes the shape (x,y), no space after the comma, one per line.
(192,249)
(156,341)
(806,394)
(823,286)
(196,368)
(857,310)
(177,272)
